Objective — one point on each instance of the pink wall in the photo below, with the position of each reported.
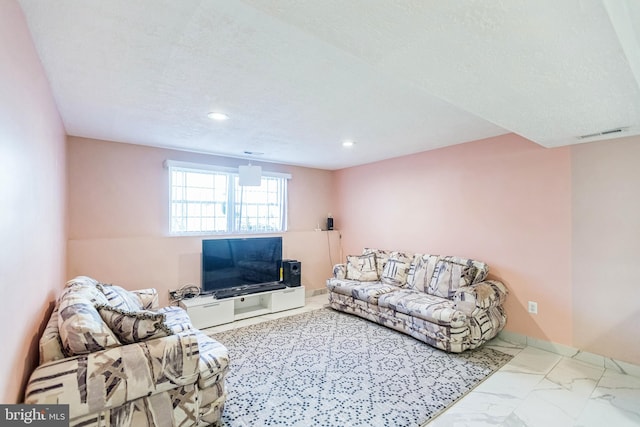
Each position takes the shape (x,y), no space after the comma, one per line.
(118,217)
(121,190)
(606,226)
(503,200)
(32,193)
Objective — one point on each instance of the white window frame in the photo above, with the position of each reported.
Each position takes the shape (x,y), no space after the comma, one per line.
(232,224)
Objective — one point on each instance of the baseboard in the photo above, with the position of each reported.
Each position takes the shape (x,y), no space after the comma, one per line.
(573,353)
(314,292)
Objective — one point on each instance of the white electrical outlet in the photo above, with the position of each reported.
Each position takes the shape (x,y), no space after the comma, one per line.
(533,307)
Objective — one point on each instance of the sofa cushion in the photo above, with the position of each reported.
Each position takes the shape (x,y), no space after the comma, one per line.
(134,326)
(342,286)
(451,273)
(423,306)
(80,326)
(120,298)
(396,270)
(381,258)
(370,292)
(362,268)
(364,291)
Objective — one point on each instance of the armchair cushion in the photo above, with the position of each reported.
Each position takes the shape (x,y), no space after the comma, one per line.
(80,326)
(148,298)
(177,318)
(120,298)
(134,326)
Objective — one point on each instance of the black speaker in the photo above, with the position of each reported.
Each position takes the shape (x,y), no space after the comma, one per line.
(291,272)
(329,223)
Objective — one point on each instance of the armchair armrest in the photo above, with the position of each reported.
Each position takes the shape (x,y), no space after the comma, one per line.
(108,378)
(340,271)
(214,360)
(148,298)
(482,295)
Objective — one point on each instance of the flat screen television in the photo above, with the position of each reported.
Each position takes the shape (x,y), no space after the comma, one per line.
(232,263)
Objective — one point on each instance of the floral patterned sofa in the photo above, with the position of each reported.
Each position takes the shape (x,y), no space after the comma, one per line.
(442,300)
(118,360)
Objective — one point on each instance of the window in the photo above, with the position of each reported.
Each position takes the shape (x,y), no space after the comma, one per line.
(209,199)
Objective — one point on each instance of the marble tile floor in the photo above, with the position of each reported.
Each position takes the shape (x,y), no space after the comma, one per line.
(536,388)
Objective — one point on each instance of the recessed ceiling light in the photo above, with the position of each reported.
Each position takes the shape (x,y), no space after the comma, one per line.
(216,115)
(348,143)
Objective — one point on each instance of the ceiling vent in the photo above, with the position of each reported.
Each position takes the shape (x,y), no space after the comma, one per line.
(604,133)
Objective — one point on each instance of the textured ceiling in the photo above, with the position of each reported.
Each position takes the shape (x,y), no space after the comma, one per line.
(298,77)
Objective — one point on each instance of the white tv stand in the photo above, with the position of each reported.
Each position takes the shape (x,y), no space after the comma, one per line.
(207,311)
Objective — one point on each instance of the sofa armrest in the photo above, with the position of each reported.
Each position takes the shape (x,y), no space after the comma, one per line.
(148,298)
(340,271)
(108,378)
(482,295)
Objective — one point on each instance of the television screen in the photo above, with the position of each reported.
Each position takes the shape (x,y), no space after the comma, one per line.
(228,263)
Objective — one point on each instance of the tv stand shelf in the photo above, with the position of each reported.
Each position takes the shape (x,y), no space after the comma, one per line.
(206,311)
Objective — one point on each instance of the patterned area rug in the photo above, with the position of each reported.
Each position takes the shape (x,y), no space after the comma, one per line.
(325,368)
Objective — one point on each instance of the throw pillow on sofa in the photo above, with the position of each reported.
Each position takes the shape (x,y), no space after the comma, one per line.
(381,258)
(396,270)
(362,268)
(134,326)
(451,273)
(120,298)
(421,272)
